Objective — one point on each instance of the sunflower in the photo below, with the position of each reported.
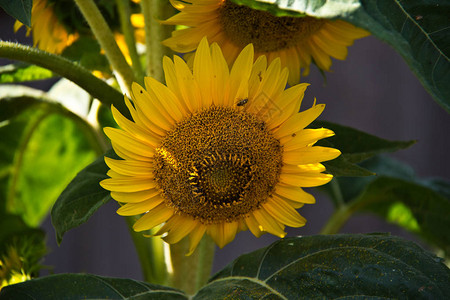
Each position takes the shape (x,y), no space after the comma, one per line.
(55,25)
(48,33)
(216,151)
(296,41)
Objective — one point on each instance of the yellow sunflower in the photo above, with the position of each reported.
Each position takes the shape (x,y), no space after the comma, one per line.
(216,151)
(48,33)
(296,41)
(51,33)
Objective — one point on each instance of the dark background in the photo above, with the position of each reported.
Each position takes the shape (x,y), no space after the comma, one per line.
(373,90)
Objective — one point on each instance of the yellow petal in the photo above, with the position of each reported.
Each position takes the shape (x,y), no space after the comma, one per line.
(288,104)
(124,153)
(131,143)
(203,71)
(187,84)
(239,75)
(166,98)
(297,122)
(132,209)
(306,137)
(295,194)
(130,168)
(268,223)
(195,237)
(284,213)
(127,185)
(306,179)
(132,128)
(134,197)
(154,217)
(180,227)
(310,155)
(221,74)
(253,226)
(145,103)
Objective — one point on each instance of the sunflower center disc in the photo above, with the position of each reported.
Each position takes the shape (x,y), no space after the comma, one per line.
(218,165)
(244,25)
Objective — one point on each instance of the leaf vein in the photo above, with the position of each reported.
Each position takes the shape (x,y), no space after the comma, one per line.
(421,29)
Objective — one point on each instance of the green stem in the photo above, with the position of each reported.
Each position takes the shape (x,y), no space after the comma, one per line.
(151,255)
(123,6)
(155,33)
(191,272)
(336,189)
(96,87)
(106,40)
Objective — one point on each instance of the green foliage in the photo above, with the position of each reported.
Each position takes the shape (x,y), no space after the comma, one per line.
(86,51)
(418,30)
(322,266)
(86,286)
(333,267)
(355,146)
(41,149)
(81,198)
(23,72)
(21,247)
(396,195)
(18,9)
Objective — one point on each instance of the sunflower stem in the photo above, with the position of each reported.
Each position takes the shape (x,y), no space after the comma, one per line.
(105,37)
(96,87)
(155,33)
(339,217)
(337,193)
(150,251)
(191,272)
(123,7)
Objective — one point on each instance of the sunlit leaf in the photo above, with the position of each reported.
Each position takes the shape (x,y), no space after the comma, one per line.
(23,72)
(42,146)
(418,30)
(86,286)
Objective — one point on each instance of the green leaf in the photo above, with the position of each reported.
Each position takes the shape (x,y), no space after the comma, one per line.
(333,266)
(86,51)
(18,9)
(21,247)
(23,72)
(418,30)
(86,286)
(356,146)
(418,205)
(81,198)
(42,147)
(412,206)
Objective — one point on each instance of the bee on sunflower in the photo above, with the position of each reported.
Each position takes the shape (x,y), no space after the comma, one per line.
(194,161)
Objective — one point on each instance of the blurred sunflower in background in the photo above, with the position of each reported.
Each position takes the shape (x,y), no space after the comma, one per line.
(57,24)
(216,151)
(296,41)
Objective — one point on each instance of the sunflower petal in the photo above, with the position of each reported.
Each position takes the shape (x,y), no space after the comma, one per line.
(154,217)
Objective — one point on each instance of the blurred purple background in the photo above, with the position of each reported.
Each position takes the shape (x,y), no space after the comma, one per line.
(373,90)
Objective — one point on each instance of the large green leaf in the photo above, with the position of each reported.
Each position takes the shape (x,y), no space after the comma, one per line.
(23,72)
(420,206)
(81,198)
(42,147)
(418,30)
(333,266)
(18,9)
(86,286)
(356,146)
(86,51)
